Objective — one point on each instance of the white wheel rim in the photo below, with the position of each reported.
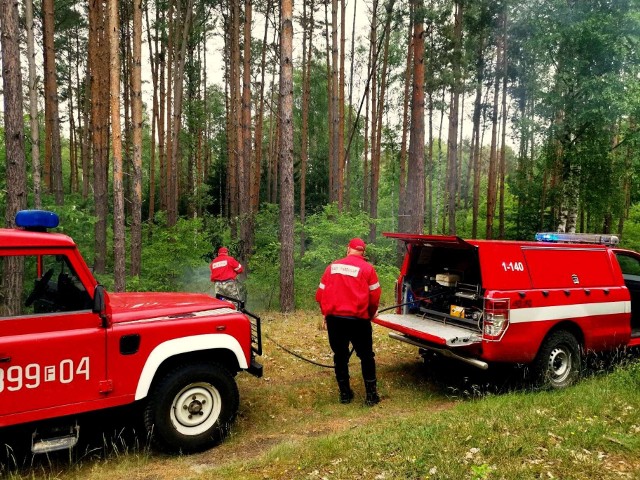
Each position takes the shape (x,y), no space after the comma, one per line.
(559,365)
(196,408)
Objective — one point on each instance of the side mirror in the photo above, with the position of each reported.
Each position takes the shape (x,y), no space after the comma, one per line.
(99,305)
(98,300)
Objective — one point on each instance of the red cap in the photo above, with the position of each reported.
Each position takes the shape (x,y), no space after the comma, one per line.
(223,251)
(357,244)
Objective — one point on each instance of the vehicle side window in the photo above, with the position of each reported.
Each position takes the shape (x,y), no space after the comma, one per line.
(37,284)
(630,266)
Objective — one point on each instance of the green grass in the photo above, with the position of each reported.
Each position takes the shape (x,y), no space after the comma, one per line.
(446,426)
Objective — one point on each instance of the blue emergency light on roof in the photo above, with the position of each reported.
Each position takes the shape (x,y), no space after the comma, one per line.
(36,220)
(559,237)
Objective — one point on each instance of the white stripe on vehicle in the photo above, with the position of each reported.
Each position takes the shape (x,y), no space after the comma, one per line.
(576,310)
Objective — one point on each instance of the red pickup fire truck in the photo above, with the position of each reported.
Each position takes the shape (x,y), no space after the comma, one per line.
(68,347)
(543,303)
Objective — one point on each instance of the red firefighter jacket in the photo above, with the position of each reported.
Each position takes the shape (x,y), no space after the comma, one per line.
(224,267)
(349,288)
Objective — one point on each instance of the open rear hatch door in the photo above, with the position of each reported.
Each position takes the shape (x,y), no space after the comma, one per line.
(431,262)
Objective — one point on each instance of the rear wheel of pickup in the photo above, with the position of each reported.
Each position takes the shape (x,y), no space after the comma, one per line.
(558,363)
(192,408)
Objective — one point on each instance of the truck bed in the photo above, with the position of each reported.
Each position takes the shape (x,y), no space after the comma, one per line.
(432,331)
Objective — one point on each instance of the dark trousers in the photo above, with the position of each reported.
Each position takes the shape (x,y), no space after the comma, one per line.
(358,332)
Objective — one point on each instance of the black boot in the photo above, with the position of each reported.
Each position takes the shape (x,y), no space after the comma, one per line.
(346,394)
(372,393)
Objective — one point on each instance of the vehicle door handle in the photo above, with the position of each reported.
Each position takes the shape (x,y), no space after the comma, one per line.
(5,359)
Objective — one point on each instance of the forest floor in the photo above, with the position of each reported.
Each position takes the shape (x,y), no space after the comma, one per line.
(294,404)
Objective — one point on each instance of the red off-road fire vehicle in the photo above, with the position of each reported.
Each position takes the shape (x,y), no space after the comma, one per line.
(543,303)
(69,347)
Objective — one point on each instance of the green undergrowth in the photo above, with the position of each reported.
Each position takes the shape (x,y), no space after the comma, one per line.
(591,430)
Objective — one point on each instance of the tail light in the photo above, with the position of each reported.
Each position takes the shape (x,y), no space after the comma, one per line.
(496,318)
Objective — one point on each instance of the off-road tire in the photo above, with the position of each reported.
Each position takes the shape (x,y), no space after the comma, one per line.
(191,408)
(559,361)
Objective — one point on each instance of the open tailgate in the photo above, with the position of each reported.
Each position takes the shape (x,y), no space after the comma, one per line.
(430,331)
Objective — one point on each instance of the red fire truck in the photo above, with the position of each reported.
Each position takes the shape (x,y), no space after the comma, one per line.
(543,303)
(68,347)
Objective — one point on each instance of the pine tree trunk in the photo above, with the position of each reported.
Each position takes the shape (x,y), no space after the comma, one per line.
(246,213)
(330,168)
(415,181)
(307,36)
(340,149)
(11,283)
(477,165)
(285,112)
(352,128)
(185,22)
(402,181)
(52,115)
(373,39)
(452,143)
(503,164)
(33,107)
(153,60)
(335,108)
(136,94)
(99,75)
(116,135)
(491,180)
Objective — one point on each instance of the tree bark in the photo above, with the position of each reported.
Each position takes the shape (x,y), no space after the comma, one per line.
(178,81)
(340,150)
(415,182)
(503,163)
(307,51)
(33,106)
(52,115)
(116,135)
(402,180)
(99,74)
(15,162)
(285,109)
(154,61)
(334,114)
(491,180)
(452,143)
(246,212)
(136,117)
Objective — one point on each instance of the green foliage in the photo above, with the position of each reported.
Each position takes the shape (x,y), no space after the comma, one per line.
(631,235)
(174,259)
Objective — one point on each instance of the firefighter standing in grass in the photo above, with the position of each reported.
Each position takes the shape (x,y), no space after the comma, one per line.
(224,272)
(349,294)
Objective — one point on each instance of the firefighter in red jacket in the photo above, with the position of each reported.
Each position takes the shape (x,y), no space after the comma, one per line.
(349,294)
(224,272)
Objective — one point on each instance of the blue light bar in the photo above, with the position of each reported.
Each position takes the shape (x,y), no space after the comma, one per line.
(593,238)
(36,220)
(546,237)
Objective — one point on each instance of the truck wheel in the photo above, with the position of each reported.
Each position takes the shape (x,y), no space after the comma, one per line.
(558,363)
(191,408)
